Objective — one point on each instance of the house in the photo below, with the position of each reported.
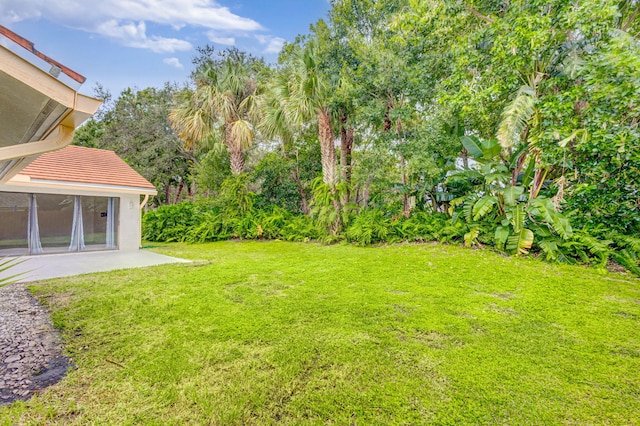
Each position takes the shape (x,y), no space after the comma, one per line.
(55,197)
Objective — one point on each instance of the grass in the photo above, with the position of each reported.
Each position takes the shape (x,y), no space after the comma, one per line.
(273,332)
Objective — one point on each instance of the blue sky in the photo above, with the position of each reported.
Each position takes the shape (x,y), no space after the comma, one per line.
(142,43)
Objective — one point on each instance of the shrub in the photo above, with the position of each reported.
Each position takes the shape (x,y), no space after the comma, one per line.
(369,227)
(171,223)
(420,227)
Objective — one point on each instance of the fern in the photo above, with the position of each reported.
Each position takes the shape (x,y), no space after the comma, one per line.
(629,259)
(370,226)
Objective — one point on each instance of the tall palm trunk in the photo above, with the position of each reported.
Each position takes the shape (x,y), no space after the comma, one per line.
(327,149)
(236,156)
(329,162)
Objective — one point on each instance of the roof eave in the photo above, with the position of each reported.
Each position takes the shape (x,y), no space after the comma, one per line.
(25,183)
(74,107)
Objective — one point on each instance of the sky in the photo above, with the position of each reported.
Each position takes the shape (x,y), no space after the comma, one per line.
(145,43)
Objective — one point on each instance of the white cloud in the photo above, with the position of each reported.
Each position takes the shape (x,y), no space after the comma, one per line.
(125,20)
(215,38)
(274,44)
(174,62)
(135,35)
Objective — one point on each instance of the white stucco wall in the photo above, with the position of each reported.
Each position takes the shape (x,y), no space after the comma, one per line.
(129,231)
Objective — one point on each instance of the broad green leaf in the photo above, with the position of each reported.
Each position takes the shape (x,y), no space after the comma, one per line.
(512,194)
(502,233)
(455,217)
(472,145)
(516,216)
(499,177)
(550,249)
(520,243)
(467,209)
(7,263)
(542,209)
(471,236)
(579,133)
(529,172)
(562,226)
(483,206)
(490,148)
(513,160)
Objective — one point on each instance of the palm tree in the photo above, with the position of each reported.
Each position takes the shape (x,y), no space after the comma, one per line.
(223,106)
(308,96)
(276,123)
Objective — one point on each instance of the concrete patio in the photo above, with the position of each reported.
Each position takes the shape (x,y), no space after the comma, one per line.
(48,266)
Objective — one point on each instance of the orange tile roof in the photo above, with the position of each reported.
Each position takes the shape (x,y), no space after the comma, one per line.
(85,165)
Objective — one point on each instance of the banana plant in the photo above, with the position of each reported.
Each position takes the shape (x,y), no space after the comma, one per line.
(494,204)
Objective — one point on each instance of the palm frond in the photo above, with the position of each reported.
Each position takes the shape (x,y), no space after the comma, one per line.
(6,263)
(242,134)
(516,117)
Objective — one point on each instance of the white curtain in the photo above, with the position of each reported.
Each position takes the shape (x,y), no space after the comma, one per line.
(77,229)
(111,228)
(33,230)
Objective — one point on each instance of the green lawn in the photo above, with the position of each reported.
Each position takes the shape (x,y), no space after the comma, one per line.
(274,332)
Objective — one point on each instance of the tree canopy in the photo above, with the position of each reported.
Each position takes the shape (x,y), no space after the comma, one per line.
(517,119)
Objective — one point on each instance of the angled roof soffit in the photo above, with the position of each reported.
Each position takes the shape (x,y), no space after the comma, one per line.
(39,104)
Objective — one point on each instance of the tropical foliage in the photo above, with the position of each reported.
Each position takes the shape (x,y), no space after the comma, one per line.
(512,125)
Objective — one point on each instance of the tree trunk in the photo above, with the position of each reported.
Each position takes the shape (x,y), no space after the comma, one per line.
(176,200)
(346,148)
(465,158)
(434,203)
(387,120)
(327,149)
(329,163)
(236,156)
(405,196)
(167,194)
(304,204)
(365,194)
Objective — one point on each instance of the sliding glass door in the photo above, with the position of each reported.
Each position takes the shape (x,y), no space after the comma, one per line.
(14,218)
(99,217)
(51,223)
(55,220)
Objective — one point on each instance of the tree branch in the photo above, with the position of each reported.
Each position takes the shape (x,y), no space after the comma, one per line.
(480,15)
(632,18)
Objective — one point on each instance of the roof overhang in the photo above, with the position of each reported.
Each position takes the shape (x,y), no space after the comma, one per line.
(23,183)
(39,110)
